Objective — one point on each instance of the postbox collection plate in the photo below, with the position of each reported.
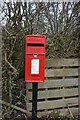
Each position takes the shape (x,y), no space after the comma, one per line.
(35,66)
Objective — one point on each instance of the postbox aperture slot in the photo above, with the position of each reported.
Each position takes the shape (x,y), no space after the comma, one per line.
(36,45)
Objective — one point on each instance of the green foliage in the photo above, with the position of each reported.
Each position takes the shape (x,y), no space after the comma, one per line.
(58,118)
(55,114)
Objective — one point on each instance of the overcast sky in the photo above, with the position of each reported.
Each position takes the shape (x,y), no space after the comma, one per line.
(1,1)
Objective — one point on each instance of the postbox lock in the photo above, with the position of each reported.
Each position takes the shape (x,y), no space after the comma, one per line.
(35,56)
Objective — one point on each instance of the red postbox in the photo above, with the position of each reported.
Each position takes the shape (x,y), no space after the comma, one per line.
(35,58)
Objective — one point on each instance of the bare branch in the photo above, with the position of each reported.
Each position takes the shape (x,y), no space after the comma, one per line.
(9,63)
(15,107)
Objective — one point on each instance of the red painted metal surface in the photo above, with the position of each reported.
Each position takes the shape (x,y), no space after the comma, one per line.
(35,58)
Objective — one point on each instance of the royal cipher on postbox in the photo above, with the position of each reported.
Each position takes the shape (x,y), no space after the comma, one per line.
(35,58)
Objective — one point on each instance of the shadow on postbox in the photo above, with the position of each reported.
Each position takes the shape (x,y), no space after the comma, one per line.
(35,58)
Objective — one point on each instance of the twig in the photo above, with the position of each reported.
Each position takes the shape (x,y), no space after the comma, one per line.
(12,48)
(8,31)
(9,63)
(15,107)
(70,111)
(69,46)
